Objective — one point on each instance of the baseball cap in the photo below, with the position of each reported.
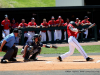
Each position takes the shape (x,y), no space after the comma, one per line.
(77,18)
(32,18)
(15,31)
(13,19)
(86,17)
(6,16)
(59,16)
(52,17)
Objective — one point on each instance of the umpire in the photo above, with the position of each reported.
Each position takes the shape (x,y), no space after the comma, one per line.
(7,45)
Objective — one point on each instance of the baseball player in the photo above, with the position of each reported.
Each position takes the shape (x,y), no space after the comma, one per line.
(34,48)
(73,43)
(32,24)
(23,25)
(6,26)
(43,32)
(86,22)
(58,33)
(52,23)
(78,22)
(65,24)
(14,24)
(7,45)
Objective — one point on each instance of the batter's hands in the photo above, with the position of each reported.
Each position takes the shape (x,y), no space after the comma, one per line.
(83,30)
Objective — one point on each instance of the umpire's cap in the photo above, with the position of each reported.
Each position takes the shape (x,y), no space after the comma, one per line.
(73,23)
(15,31)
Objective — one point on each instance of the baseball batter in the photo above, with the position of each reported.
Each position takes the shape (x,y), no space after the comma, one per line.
(58,33)
(6,25)
(73,43)
(52,23)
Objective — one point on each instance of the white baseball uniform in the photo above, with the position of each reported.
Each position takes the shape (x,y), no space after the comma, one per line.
(73,43)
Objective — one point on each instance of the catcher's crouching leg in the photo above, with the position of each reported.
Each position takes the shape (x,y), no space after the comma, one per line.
(33,57)
(26,58)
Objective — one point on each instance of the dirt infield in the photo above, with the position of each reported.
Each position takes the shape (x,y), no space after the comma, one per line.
(51,63)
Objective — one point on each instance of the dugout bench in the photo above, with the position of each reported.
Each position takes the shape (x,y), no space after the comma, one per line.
(37,30)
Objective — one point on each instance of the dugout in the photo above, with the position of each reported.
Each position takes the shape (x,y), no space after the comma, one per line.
(39,13)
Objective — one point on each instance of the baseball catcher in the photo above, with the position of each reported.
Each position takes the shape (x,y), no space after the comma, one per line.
(33,48)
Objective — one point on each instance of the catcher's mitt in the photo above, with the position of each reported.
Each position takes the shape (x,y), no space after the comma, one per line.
(54,46)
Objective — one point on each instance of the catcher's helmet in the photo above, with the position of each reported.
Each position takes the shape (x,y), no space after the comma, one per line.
(73,23)
(37,35)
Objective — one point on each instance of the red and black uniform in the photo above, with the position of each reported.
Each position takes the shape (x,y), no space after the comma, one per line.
(44,25)
(32,24)
(83,21)
(23,25)
(71,33)
(6,24)
(62,22)
(65,24)
(14,25)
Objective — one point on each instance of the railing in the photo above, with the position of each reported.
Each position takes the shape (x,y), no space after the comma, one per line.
(61,28)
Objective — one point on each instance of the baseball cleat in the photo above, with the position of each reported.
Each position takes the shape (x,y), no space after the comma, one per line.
(3,61)
(89,59)
(26,60)
(59,58)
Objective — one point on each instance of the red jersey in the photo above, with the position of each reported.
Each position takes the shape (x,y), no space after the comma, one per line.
(71,33)
(14,25)
(44,25)
(77,22)
(83,21)
(23,25)
(52,23)
(62,22)
(32,24)
(65,24)
(6,24)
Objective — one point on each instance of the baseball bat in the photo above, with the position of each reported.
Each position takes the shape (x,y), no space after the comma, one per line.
(91,26)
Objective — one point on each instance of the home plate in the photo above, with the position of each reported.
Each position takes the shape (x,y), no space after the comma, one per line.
(48,61)
(98,61)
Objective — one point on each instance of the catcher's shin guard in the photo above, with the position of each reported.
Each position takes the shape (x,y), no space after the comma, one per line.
(27,55)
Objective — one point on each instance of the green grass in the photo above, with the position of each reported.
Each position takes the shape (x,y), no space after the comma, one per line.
(88,49)
(26,3)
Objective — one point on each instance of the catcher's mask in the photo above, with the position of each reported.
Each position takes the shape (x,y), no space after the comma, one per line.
(73,23)
(37,36)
